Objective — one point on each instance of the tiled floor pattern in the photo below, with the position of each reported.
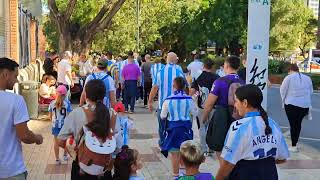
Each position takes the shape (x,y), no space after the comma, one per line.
(40,159)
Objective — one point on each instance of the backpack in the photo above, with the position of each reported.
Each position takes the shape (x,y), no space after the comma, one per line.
(233,86)
(106,84)
(203,95)
(94,154)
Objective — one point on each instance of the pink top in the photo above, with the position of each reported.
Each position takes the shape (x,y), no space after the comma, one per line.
(131,72)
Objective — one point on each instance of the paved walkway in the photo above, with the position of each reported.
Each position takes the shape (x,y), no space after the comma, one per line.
(40,159)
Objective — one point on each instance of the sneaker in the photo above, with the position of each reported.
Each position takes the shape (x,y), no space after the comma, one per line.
(293,149)
(65,157)
(126,111)
(131,112)
(58,162)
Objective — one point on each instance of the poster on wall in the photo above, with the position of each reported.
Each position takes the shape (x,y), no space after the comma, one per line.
(258,44)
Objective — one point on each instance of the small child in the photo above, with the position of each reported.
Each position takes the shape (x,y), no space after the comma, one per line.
(123,126)
(58,110)
(191,157)
(126,165)
(47,90)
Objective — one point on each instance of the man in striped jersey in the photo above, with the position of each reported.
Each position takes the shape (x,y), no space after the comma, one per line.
(163,84)
(155,68)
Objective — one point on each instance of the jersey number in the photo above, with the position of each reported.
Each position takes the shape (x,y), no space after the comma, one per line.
(261,153)
(63,112)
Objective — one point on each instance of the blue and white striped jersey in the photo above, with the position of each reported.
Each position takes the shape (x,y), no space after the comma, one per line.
(155,68)
(120,67)
(246,140)
(164,81)
(108,82)
(178,107)
(59,115)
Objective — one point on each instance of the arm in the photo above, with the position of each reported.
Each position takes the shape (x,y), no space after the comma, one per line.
(224,170)
(208,106)
(27,136)
(284,89)
(112,96)
(153,94)
(82,98)
(164,110)
(70,78)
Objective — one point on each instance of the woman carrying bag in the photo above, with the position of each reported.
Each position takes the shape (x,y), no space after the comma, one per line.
(91,126)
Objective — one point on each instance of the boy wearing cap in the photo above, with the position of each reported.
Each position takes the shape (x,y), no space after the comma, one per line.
(102,74)
(58,110)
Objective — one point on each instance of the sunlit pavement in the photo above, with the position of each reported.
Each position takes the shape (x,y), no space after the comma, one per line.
(40,161)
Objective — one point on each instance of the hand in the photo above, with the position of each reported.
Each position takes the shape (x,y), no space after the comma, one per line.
(150,106)
(39,139)
(72,84)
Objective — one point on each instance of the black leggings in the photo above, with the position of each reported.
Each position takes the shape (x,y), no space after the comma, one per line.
(295,116)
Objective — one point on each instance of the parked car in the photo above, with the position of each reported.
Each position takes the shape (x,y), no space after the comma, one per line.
(314,65)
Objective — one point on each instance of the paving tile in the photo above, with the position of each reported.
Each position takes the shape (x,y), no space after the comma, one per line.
(301,164)
(150,158)
(57,169)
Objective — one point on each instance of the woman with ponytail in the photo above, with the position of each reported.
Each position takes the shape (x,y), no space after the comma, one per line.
(254,144)
(94,117)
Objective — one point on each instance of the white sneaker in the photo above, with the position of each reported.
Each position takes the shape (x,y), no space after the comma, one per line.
(293,149)
(65,157)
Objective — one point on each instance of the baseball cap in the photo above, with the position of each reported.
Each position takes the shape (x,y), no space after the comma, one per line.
(62,90)
(119,107)
(101,63)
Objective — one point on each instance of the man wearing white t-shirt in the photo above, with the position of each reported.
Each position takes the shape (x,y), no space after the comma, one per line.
(14,128)
(64,71)
(195,67)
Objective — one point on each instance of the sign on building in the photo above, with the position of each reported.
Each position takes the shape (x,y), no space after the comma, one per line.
(258,44)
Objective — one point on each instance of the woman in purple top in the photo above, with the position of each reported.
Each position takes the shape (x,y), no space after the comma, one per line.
(130,74)
(218,99)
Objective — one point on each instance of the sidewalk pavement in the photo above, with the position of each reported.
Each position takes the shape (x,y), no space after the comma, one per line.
(40,161)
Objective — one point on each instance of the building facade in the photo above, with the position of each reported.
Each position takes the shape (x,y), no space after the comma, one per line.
(19,32)
(314,6)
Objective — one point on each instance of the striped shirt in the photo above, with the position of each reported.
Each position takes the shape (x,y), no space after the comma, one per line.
(155,68)
(164,81)
(59,115)
(120,67)
(178,107)
(112,69)
(246,140)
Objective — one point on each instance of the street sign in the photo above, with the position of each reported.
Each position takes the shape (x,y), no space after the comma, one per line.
(258,44)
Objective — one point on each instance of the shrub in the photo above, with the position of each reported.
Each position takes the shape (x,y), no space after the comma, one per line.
(278,67)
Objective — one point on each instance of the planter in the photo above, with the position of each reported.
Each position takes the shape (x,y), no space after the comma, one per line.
(276,78)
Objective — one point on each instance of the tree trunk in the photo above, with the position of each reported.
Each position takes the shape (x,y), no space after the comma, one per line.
(78,39)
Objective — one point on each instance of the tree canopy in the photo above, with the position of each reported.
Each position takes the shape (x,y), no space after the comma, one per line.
(185,25)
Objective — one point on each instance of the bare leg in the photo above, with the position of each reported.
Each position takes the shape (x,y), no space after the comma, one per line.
(56,148)
(175,159)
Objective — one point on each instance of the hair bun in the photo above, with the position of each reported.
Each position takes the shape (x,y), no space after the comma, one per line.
(124,147)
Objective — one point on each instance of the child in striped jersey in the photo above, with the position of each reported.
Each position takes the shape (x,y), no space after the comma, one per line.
(176,118)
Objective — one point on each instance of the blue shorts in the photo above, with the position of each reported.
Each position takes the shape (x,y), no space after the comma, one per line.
(55,131)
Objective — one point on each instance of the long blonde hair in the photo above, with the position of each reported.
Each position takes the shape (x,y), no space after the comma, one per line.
(59,100)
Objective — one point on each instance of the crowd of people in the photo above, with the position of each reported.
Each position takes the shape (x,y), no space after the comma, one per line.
(228,113)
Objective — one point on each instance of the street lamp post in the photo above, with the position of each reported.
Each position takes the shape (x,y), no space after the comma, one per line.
(138,24)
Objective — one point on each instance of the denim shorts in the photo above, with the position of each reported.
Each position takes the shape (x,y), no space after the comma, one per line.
(55,131)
